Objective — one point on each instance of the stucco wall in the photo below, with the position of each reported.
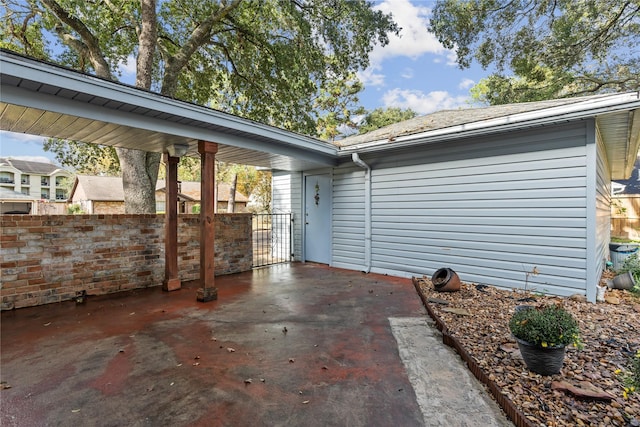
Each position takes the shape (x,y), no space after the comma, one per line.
(46,259)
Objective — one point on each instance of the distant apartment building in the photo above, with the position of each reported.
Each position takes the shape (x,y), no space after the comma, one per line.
(41,181)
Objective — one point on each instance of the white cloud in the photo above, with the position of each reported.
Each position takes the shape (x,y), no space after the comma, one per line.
(371,77)
(128,67)
(9,137)
(423,103)
(466,84)
(407,73)
(414,40)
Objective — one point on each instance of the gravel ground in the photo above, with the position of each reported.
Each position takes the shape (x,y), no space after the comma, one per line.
(610,333)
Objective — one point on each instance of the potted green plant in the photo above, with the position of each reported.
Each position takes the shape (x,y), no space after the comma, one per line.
(542,334)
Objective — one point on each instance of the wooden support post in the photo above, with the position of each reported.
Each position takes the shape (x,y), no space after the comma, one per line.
(171,281)
(208,291)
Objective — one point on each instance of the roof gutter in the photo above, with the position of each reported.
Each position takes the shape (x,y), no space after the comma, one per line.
(367,210)
(579,110)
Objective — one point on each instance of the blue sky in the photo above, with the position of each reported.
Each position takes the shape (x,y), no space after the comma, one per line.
(414,71)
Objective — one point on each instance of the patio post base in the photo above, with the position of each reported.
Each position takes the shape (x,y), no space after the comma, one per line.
(171,285)
(207,294)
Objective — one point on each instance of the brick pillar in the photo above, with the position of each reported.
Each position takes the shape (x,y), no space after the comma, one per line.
(171,281)
(207,151)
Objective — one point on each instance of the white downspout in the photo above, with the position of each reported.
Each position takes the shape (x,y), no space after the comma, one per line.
(367,210)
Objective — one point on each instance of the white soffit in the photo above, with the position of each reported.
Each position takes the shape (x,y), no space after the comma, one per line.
(44,99)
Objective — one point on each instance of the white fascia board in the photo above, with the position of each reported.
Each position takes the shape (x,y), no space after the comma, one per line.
(175,132)
(579,110)
(74,81)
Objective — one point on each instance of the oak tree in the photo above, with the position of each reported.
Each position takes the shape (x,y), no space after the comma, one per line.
(260,59)
(544,49)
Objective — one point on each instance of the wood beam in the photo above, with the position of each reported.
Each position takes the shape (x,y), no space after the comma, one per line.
(171,281)
(208,291)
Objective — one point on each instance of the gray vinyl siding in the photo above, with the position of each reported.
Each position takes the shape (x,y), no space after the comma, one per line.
(287,197)
(490,208)
(602,214)
(348,218)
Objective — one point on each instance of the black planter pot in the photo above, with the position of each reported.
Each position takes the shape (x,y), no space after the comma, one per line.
(542,360)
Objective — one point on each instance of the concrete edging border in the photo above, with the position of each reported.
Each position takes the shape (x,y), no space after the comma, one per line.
(512,412)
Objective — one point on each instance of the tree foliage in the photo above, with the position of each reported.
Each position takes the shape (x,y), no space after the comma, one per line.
(86,159)
(381,117)
(261,59)
(544,49)
(337,102)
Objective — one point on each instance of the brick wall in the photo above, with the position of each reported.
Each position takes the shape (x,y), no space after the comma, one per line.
(45,259)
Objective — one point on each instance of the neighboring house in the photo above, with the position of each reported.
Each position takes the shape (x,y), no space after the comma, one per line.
(40,180)
(98,194)
(189,197)
(104,195)
(489,192)
(12,202)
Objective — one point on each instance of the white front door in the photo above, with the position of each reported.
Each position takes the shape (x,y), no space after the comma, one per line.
(317,211)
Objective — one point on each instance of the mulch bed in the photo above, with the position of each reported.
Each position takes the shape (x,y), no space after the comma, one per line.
(475,320)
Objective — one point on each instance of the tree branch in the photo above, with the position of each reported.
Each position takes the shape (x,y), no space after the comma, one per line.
(88,45)
(197,39)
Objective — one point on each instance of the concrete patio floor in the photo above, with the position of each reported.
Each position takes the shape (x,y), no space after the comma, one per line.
(289,345)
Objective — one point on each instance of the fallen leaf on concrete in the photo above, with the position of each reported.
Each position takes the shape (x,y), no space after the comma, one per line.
(458,311)
(584,390)
(4,385)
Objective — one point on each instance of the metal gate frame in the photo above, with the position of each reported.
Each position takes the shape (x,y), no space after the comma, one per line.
(272,237)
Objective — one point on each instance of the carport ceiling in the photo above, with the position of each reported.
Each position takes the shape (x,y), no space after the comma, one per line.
(44,99)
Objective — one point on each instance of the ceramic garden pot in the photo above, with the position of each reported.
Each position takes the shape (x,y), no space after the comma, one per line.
(445,280)
(624,281)
(542,360)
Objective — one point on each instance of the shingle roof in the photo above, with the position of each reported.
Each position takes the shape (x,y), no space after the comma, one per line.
(109,188)
(191,189)
(6,194)
(29,167)
(102,188)
(447,118)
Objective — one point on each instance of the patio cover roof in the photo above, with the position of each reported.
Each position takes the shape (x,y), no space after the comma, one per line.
(40,98)
(45,99)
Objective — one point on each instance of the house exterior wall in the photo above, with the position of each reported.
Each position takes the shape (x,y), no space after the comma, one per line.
(602,212)
(491,208)
(46,259)
(46,187)
(286,197)
(348,218)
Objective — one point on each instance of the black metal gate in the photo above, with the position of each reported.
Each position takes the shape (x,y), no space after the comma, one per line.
(272,237)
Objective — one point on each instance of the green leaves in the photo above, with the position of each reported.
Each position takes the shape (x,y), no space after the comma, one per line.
(547,326)
(557,48)
(383,117)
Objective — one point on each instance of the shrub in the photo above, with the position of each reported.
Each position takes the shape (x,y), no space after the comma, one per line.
(546,326)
